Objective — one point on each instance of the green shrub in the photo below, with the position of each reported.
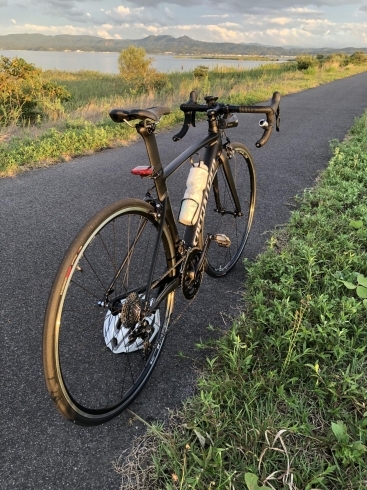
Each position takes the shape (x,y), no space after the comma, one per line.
(306,61)
(24,97)
(201,71)
(358,58)
(340,58)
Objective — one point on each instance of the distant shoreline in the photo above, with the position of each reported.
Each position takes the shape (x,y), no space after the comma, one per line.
(72,61)
(234,57)
(183,56)
(209,57)
(163,44)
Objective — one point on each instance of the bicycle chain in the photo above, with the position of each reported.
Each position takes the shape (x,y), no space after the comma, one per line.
(167,272)
(188,302)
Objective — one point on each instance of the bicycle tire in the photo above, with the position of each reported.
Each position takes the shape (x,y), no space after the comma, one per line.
(92,370)
(220,260)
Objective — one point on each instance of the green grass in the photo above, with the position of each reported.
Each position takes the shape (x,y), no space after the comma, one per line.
(283,399)
(84,126)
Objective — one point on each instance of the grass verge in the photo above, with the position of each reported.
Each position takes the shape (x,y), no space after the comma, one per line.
(84,127)
(73,138)
(282,403)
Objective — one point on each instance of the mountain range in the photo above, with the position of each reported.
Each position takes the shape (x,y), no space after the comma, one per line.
(154,45)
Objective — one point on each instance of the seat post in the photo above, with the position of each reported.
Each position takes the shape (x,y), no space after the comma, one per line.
(147,133)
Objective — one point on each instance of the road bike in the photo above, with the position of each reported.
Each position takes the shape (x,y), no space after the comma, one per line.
(112,300)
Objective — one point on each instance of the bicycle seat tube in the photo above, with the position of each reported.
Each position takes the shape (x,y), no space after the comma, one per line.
(146,131)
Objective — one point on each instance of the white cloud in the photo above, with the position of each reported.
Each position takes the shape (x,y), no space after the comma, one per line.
(280,20)
(289,22)
(64,29)
(123,11)
(303,10)
(229,24)
(247,6)
(152,29)
(103,33)
(214,16)
(227,35)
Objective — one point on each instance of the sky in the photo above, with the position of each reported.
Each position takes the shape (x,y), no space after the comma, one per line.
(323,23)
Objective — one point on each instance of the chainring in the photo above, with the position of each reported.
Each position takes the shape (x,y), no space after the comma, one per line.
(191,277)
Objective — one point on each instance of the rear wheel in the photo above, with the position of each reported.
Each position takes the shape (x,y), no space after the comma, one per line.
(97,357)
(221,217)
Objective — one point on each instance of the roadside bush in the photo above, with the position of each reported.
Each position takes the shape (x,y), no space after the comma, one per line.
(306,61)
(201,71)
(358,58)
(157,82)
(24,97)
(340,58)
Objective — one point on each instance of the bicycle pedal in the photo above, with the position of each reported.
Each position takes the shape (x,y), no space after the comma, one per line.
(222,240)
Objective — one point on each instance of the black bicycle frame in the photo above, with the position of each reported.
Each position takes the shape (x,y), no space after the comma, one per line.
(214,156)
(213,151)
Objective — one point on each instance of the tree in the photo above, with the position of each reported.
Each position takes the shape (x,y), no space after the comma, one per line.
(134,65)
(135,69)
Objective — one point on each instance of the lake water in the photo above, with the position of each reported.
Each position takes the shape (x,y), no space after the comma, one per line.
(107,62)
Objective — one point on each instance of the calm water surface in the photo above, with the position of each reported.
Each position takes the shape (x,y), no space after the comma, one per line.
(107,62)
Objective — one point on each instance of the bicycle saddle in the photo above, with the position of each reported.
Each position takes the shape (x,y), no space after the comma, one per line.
(153,113)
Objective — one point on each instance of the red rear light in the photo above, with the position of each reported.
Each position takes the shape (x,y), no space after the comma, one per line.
(143,171)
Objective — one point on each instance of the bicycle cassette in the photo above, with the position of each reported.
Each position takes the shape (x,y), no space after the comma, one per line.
(122,332)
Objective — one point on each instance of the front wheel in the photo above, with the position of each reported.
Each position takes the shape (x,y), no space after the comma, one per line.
(98,358)
(221,217)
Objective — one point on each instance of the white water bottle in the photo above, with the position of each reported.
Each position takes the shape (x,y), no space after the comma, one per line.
(195,185)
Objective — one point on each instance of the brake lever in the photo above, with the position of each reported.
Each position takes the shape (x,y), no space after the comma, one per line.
(193,114)
(185,127)
(189,117)
(277,118)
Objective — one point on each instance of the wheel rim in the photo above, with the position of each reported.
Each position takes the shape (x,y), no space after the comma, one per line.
(94,379)
(220,260)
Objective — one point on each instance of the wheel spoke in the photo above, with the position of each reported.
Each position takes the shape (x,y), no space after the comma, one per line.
(221,260)
(97,367)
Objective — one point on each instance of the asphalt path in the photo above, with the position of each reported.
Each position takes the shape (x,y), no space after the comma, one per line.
(40,213)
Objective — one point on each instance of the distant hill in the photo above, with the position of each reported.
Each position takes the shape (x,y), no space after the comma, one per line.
(153,45)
